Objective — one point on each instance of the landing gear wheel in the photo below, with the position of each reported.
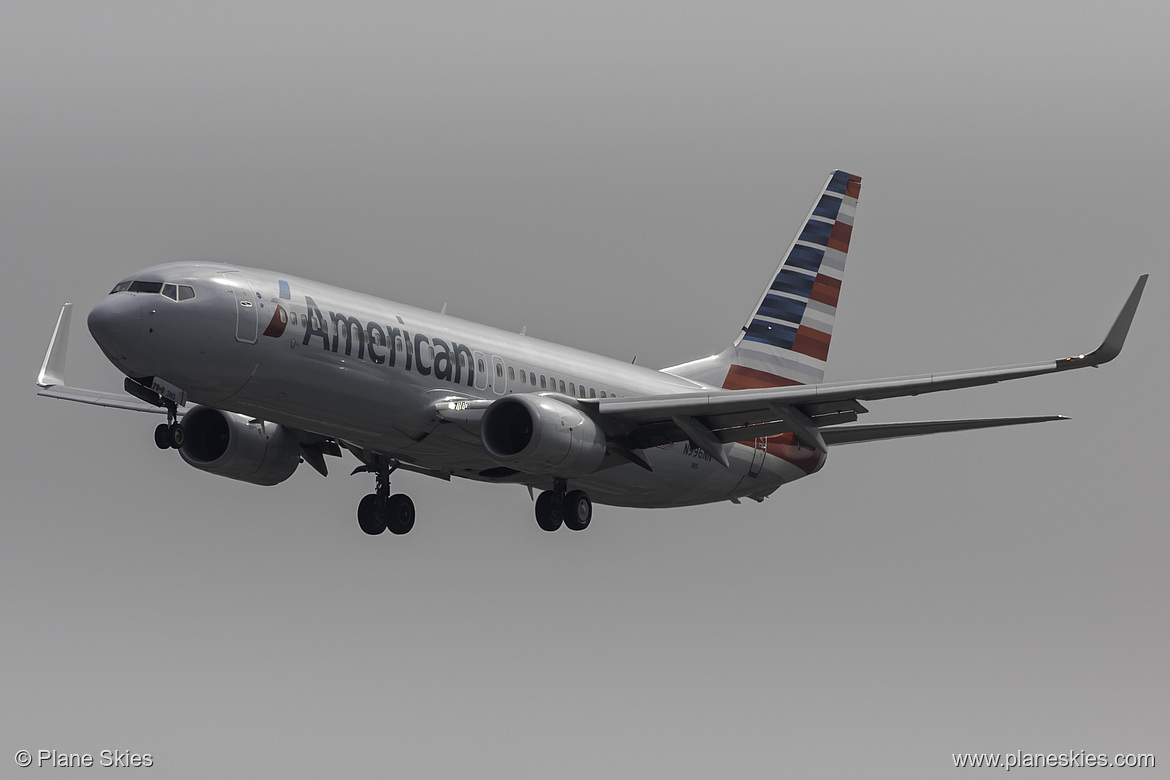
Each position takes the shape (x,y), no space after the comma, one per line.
(162,437)
(176,435)
(399,513)
(368,519)
(548,514)
(578,510)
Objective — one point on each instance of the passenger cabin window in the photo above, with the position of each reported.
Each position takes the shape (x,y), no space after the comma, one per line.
(499,369)
(511,374)
(523,377)
(562,383)
(592,393)
(542,385)
(572,389)
(479,365)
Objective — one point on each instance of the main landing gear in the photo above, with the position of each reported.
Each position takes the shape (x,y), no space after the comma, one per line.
(570,507)
(169,435)
(380,511)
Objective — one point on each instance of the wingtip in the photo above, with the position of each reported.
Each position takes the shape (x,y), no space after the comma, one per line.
(1115,339)
(53,367)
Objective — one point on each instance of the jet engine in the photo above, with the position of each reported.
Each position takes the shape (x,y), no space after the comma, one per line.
(234,446)
(542,435)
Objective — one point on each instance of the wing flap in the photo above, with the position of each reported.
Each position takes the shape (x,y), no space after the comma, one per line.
(857,433)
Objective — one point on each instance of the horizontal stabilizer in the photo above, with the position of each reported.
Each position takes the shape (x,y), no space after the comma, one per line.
(855,433)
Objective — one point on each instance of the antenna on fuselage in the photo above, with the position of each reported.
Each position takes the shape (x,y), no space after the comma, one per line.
(443,310)
(523,330)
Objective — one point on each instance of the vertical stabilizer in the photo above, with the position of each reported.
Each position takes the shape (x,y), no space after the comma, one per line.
(786,339)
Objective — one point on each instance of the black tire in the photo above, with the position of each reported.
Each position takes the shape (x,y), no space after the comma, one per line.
(368,519)
(176,436)
(162,437)
(578,510)
(547,516)
(399,514)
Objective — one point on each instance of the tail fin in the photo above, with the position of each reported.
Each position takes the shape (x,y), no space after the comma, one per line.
(786,339)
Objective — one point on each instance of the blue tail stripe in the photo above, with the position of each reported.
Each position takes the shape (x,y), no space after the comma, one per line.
(838,182)
(817,232)
(793,282)
(828,207)
(779,308)
(771,333)
(806,257)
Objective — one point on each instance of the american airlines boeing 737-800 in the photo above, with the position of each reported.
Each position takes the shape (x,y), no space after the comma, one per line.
(258,372)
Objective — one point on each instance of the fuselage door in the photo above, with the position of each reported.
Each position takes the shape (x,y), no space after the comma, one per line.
(499,381)
(247,318)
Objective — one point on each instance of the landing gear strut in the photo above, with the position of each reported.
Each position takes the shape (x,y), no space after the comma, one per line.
(380,511)
(570,507)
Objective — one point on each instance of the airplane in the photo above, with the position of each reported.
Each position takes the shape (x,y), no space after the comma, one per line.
(259,371)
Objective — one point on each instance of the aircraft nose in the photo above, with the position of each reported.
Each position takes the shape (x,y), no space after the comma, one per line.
(115,324)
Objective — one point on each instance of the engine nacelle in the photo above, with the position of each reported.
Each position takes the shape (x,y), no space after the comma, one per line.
(230,445)
(542,435)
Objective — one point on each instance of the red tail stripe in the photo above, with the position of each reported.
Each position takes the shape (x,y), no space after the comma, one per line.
(839,238)
(742,378)
(811,342)
(826,290)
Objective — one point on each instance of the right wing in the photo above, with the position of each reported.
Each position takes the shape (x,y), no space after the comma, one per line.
(710,417)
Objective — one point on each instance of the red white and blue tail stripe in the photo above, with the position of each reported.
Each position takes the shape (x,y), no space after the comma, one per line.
(786,340)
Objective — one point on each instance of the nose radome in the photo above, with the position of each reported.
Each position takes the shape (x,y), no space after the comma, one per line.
(115,324)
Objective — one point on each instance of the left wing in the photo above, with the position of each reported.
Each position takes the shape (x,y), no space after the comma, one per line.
(51,379)
(711,417)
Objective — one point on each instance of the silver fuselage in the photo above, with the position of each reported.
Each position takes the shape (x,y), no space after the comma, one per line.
(367,371)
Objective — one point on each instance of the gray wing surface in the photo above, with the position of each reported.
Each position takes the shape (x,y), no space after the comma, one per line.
(711,416)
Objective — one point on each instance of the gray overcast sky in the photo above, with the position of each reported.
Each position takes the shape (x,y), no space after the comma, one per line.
(621,178)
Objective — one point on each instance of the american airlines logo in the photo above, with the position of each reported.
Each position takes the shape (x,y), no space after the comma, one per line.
(382,345)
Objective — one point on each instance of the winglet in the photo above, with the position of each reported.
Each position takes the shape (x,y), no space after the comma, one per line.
(1115,339)
(53,367)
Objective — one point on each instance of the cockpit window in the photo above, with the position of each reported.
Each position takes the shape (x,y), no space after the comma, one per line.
(176,292)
